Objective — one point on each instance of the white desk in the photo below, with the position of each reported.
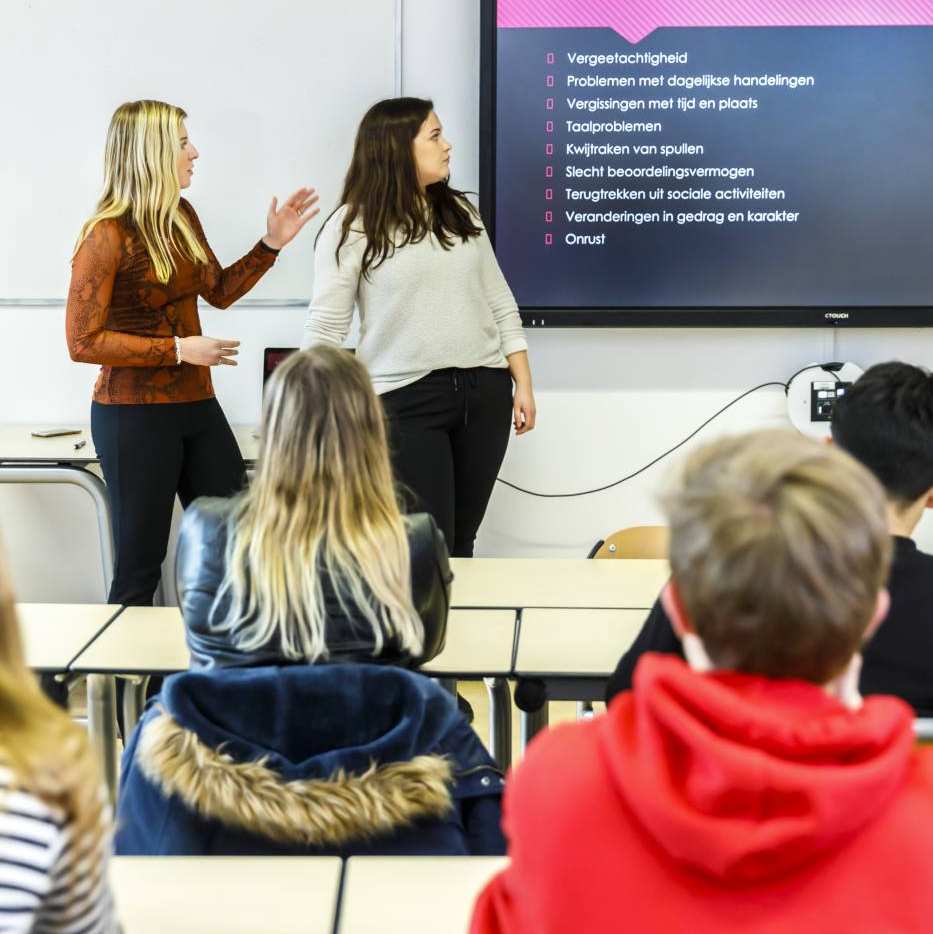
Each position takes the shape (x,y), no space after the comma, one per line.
(17,445)
(572,652)
(142,640)
(233,894)
(151,641)
(147,640)
(561,582)
(25,459)
(479,644)
(54,634)
(413,895)
(248,442)
(572,643)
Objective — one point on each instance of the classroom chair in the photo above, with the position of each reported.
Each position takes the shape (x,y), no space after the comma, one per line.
(637,541)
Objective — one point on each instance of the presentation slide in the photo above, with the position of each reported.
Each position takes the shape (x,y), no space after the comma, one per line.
(704,155)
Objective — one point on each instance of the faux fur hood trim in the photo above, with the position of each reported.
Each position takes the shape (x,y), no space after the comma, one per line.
(314,812)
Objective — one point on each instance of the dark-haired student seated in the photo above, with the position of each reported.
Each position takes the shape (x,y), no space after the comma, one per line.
(885,421)
(308,599)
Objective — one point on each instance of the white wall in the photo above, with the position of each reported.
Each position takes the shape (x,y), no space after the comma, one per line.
(609,401)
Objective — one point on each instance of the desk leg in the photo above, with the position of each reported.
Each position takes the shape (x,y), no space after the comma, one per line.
(92,485)
(134,699)
(500,721)
(531,724)
(102,725)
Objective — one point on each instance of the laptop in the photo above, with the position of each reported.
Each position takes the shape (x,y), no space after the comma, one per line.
(271,358)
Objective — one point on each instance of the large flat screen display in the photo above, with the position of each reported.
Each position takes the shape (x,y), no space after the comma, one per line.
(712,161)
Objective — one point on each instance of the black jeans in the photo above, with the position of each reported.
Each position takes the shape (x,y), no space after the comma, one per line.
(447,434)
(150,453)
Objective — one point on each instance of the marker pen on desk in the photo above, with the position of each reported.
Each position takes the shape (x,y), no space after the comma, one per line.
(80,444)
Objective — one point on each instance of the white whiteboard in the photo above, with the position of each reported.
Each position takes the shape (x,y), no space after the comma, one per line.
(274,90)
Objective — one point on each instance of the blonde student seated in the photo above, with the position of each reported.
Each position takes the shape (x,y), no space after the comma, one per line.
(54,825)
(308,599)
(749,788)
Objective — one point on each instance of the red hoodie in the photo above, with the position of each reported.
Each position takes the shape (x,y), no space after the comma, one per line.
(720,802)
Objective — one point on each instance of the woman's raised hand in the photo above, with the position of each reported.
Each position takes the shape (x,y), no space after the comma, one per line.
(208,351)
(283,223)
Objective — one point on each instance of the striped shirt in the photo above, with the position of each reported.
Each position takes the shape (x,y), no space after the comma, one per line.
(45,886)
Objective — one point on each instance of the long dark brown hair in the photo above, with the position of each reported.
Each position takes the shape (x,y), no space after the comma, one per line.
(381,188)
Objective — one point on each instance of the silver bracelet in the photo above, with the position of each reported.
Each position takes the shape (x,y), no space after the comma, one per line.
(178,350)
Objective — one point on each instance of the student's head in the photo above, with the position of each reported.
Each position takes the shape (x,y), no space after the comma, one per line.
(48,755)
(397,187)
(148,159)
(885,421)
(779,554)
(322,501)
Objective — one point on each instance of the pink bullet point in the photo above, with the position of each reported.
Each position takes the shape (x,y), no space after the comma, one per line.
(548,239)
(549,58)
(550,81)
(548,194)
(548,217)
(549,149)
(549,126)
(549,103)
(549,171)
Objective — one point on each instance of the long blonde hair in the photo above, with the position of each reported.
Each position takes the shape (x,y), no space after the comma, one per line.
(322,503)
(141,178)
(48,755)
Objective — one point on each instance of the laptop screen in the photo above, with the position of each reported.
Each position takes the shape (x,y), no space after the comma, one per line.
(271,358)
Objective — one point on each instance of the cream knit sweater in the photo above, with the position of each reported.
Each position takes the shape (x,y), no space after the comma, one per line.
(424,308)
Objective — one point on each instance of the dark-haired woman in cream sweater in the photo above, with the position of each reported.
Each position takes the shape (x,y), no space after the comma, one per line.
(440,331)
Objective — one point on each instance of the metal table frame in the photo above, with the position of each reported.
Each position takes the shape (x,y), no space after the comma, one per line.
(75,474)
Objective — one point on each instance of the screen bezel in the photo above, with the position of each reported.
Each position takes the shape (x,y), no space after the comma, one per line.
(893,316)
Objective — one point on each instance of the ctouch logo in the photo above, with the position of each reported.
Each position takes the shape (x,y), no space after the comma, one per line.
(836,314)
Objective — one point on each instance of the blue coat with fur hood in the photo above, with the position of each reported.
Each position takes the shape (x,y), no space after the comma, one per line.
(338,759)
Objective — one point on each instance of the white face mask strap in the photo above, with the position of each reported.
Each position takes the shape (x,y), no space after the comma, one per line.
(844,687)
(695,653)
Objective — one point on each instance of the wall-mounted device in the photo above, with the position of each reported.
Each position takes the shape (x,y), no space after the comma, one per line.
(823,396)
(812,393)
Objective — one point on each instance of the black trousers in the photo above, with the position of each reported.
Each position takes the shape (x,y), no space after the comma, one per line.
(447,434)
(150,453)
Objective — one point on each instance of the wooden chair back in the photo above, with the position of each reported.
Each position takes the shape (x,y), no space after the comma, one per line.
(638,541)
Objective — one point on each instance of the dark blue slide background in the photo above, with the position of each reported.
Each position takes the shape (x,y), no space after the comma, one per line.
(854,154)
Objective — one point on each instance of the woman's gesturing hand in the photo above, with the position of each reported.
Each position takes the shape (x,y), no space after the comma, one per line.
(283,223)
(208,351)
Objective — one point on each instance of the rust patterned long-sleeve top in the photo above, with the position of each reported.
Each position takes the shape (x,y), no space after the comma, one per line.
(120,316)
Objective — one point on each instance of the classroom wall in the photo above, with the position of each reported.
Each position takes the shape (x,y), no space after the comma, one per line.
(609,401)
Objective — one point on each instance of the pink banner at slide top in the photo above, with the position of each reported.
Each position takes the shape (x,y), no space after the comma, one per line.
(635,19)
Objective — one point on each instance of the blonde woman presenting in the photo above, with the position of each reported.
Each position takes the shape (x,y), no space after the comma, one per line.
(54,824)
(140,264)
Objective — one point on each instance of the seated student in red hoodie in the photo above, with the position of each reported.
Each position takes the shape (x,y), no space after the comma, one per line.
(885,422)
(750,788)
